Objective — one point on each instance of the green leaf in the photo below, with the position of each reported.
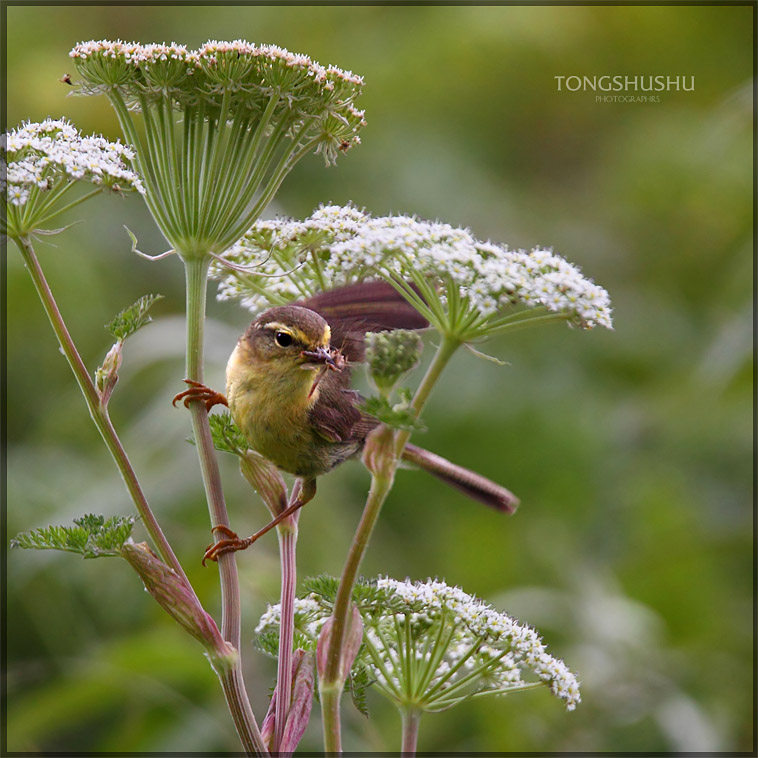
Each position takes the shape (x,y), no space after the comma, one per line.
(358,682)
(323,585)
(398,416)
(132,318)
(268,642)
(226,434)
(91,536)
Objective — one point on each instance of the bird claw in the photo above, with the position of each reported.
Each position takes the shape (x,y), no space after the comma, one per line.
(198,391)
(229,545)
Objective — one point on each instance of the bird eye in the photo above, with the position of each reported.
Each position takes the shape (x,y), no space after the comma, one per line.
(283,339)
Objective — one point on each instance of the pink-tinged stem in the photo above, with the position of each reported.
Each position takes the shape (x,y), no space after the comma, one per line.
(411,718)
(287,532)
(196,268)
(98,412)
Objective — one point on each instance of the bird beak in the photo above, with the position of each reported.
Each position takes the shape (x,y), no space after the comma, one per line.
(322,355)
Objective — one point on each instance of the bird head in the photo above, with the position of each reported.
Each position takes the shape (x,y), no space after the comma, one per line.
(291,337)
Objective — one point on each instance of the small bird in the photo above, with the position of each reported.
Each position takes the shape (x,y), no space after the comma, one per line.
(288,387)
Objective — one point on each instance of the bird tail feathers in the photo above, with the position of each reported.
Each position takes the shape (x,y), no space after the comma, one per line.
(474,485)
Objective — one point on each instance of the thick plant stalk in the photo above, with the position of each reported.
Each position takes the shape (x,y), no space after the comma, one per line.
(382,453)
(331,684)
(330,694)
(196,269)
(197,273)
(238,704)
(98,412)
(230,677)
(411,718)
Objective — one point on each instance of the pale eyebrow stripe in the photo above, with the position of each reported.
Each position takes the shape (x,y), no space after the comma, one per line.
(295,332)
(278,325)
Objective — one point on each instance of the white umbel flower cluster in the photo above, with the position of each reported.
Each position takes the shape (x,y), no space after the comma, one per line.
(211,52)
(430,645)
(480,639)
(460,279)
(225,80)
(310,616)
(39,156)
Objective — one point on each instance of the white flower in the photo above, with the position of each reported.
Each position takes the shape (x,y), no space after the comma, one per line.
(40,155)
(459,279)
(462,646)
(248,78)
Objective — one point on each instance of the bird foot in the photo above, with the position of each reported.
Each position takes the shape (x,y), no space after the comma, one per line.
(198,391)
(231,544)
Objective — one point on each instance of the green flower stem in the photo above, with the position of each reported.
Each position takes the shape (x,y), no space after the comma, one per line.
(381,483)
(196,269)
(245,174)
(411,718)
(331,684)
(329,695)
(503,691)
(380,487)
(58,211)
(389,685)
(33,215)
(524,319)
(397,665)
(454,670)
(438,651)
(153,198)
(98,412)
(441,358)
(288,160)
(33,212)
(445,703)
(171,170)
(404,653)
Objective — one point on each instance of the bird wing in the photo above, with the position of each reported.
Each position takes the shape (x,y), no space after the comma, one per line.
(351,312)
(356,309)
(336,417)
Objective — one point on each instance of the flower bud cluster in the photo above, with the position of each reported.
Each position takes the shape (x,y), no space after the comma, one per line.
(390,355)
(341,245)
(39,156)
(238,76)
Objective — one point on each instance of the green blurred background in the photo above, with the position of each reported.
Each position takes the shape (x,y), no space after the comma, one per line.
(630,450)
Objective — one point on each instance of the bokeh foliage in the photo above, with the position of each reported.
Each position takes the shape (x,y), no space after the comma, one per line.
(630,450)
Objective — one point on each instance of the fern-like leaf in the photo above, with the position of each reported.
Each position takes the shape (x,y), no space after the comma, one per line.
(91,536)
(132,318)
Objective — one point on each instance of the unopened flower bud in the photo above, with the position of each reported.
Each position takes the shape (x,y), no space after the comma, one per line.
(390,355)
(266,480)
(176,597)
(302,699)
(350,647)
(107,375)
(379,451)
(299,712)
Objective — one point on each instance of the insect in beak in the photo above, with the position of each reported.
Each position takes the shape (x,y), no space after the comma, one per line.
(329,358)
